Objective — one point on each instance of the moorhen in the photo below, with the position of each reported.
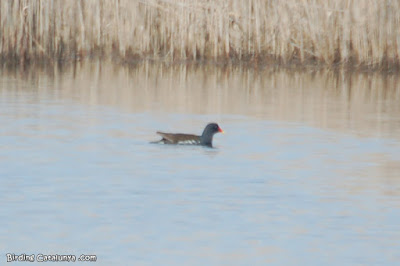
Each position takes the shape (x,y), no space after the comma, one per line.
(205,139)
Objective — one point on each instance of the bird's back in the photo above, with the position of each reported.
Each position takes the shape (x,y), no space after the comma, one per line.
(170,138)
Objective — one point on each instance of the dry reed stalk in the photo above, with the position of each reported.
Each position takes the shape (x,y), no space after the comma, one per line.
(360,33)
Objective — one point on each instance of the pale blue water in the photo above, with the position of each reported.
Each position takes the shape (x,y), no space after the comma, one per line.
(81,178)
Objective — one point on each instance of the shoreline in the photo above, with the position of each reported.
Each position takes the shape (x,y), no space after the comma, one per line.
(247,64)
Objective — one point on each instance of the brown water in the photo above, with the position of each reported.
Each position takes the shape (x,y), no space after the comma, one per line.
(307,173)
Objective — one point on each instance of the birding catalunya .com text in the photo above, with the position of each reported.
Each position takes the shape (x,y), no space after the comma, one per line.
(11,257)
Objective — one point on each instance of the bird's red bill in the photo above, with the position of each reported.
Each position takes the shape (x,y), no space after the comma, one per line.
(220,130)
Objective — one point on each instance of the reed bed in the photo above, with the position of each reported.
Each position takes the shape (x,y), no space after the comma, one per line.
(325,32)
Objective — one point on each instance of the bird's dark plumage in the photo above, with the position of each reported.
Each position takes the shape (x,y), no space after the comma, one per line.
(205,139)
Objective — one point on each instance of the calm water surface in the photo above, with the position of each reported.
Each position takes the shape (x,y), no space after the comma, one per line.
(308,172)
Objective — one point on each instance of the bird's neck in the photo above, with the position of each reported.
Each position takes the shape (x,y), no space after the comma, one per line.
(206,139)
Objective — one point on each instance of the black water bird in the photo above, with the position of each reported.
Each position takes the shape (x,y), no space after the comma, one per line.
(188,139)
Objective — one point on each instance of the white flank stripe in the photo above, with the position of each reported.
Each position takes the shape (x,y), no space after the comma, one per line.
(189,141)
